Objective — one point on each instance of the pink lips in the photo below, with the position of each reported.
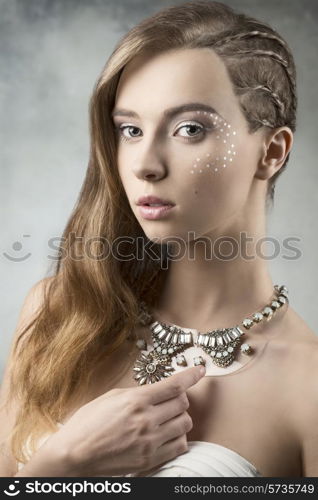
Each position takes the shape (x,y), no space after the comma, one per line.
(147,199)
(153,213)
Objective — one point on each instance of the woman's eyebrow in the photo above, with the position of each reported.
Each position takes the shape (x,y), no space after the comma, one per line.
(171,112)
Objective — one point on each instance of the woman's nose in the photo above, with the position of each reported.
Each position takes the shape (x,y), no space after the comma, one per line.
(150,164)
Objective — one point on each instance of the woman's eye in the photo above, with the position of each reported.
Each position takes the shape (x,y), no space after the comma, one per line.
(131,130)
(191,130)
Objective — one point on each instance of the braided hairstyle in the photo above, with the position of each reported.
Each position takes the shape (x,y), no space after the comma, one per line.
(263,73)
(259,62)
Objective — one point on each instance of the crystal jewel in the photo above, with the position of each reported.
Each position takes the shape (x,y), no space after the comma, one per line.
(199,361)
(246,348)
(181,361)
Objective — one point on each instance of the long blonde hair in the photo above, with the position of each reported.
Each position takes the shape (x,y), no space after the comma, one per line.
(91,304)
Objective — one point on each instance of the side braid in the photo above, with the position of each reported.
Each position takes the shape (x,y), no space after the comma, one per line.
(276,57)
(261,52)
(273,94)
(241,36)
(222,42)
(279,104)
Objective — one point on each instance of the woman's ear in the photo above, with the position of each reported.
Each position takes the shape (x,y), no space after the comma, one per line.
(277,145)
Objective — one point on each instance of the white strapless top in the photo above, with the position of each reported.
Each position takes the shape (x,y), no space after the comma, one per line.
(203,459)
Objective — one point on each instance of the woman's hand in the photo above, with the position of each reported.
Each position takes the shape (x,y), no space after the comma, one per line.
(129,430)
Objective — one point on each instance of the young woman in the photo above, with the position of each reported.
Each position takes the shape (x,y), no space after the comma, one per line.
(195,112)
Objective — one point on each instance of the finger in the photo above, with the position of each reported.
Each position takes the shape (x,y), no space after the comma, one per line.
(170,450)
(175,427)
(171,408)
(172,386)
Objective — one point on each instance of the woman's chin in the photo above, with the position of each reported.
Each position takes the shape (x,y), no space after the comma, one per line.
(161,237)
(166,235)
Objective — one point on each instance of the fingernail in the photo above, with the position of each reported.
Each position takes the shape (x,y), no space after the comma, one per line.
(202,370)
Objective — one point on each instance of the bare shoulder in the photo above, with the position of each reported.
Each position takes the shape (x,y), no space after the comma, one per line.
(294,353)
(293,347)
(31,304)
(34,297)
(302,375)
(299,344)
(304,347)
(294,331)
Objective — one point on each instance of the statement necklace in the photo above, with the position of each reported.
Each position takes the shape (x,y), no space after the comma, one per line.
(170,341)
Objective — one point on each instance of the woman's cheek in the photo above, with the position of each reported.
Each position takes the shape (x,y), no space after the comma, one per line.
(219,153)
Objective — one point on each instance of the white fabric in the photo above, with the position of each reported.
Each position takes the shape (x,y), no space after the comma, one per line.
(205,459)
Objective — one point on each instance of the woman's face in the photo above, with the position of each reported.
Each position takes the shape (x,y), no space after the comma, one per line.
(201,158)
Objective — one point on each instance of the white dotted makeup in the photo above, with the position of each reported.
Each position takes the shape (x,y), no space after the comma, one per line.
(224,151)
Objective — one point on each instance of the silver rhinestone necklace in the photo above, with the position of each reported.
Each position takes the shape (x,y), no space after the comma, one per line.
(170,341)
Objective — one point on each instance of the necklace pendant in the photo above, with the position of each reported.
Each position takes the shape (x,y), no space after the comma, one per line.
(151,368)
(221,345)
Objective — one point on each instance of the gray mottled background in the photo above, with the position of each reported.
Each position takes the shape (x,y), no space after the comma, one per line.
(51,54)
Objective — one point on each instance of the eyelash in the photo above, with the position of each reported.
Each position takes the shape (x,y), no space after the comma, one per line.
(121,128)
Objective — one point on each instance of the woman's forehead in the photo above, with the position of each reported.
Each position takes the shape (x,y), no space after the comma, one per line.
(170,78)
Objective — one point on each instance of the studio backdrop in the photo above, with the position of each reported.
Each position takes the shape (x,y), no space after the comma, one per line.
(51,54)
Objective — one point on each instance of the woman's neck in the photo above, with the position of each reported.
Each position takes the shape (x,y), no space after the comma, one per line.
(203,293)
